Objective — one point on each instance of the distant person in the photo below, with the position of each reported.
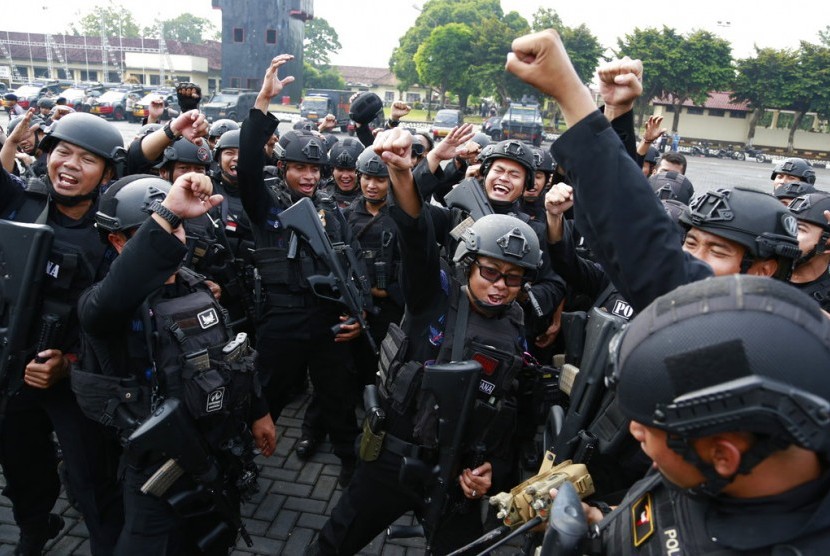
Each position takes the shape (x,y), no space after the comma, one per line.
(675,142)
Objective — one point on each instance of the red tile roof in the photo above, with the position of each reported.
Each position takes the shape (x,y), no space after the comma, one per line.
(717,99)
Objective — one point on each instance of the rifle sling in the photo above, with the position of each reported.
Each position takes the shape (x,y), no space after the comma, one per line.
(460,327)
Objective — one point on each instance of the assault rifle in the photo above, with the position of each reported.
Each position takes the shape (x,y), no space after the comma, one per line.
(172,431)
(469,197)
(24,251)
(454,386)
(345,284)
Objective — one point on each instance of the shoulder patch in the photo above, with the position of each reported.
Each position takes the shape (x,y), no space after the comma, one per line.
(642,519)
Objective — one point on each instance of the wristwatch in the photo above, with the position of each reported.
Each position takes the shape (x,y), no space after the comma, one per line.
(168,215)
(390,123)
(168,131)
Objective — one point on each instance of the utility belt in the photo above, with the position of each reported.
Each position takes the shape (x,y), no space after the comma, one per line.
(289,300)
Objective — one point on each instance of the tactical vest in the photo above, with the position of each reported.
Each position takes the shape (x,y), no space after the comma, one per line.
(282,258)
(818,290)
(78,259)
(192,358)
(493,342)
(378,243)
(196,361)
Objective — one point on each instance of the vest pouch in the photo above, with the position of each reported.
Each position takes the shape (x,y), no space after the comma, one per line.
(274,266)
(392,351)
(498,370)
(112,401)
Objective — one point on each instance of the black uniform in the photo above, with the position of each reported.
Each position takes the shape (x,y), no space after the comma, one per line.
(658,518)
(818,289)
(343,199)
(139,329)
(77,260)
(294,334)
(375,497)
(616,218)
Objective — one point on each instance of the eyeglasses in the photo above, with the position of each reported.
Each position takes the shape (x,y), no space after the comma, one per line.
(492,275)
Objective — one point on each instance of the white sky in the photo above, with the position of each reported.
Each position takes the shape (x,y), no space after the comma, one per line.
(370,29)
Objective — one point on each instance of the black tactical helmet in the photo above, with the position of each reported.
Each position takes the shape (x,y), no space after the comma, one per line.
(220,127)
(674,209)
(793,189)
(502,237)
(810,208)
(797,167)
(185,151)
(672,185)
(652,155)
(304,124)
(302,146)
(124,204)
(228,140)
(370,164)
(748,217)
(481,139)
(485,152)
(88,132)
(543,160)
(35,121)
(365,107)
(513,150)
(344,153)
(45,103)
(734,353)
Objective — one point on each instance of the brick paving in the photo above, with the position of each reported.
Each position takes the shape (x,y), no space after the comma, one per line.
(293,503)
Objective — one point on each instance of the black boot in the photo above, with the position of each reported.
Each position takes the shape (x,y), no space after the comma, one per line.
(33,540)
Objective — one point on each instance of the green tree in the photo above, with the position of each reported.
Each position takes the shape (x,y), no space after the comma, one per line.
(762,80)
(808,85)
(116,20)
(443,60)
(434,14)
(185,28)
(661,52)
(322,77)
(494,38)
(547,18)
(320,42)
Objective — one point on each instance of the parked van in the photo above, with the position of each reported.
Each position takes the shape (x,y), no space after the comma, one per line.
(444,121)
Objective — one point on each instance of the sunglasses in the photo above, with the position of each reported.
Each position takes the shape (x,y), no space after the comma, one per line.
(492,275)
(417,149)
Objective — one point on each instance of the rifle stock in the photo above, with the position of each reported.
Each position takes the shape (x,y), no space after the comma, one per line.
(469,197)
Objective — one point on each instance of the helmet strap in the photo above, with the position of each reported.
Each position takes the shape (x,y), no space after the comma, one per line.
(71,200)
(818,249)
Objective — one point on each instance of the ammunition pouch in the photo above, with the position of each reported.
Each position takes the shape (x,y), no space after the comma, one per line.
(399,381)
(278,268)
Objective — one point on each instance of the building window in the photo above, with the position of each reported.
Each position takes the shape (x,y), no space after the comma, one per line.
(695,110)
(238,34)
(739,114)
(669,108)
(413,97)
(41,72)
(113,77)
(717,112)
(23,71)
(253,84)
(389,96)
(235,81)
(211,84)
(89,75)
(155,79)
(270,36)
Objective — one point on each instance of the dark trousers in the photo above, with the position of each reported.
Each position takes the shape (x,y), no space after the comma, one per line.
(283,365)
(30,465)
(152,527)
(374,499)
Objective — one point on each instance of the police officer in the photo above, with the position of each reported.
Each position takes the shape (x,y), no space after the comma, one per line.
(495,256)
(787,191)
(368,217)
(233,232)
(219,128)
(147,152)
(730,476)
(22,146)
(82,150)
(793,169)
(532,202)
(343,184)
(672,185)
(810,274)
(295,333)
(156,331)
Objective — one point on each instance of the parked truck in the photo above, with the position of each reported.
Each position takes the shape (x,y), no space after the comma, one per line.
(523,122)
(317,103)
